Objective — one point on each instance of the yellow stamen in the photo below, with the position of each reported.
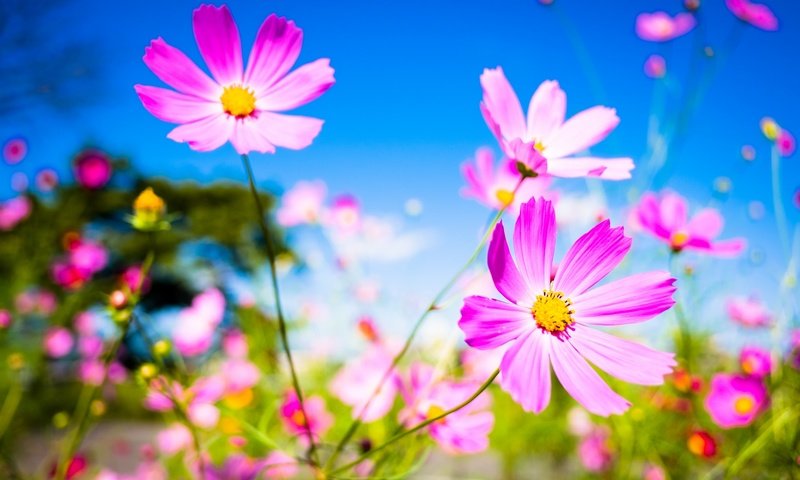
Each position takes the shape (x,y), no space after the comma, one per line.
(298,418)
(552,311)
(744,404)
(238,101)
(678,240)
(505,197)
(434,411)
(538,146)
(696,444)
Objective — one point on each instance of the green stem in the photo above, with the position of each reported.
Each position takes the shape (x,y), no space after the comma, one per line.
(683,324)
(434,305)
(262,222)
(10,405)
(419,426)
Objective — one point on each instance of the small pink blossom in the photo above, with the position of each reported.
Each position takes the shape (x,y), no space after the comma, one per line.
(91,372)
(756,14)
(92,169)
(594,450)
(132,278)
(355,383)
(755,361)
(13,211)
(46,180)
(749,312)
(14,150)
(36,301)
(239,374)
(194,332)
(234,344)
(174,439)
(316,419)
(90,346)
(5,319)
(785,143)
(661,27)
(655,66)
(302,204)
(735,400)
(199,398)
(58,342)
(344,215)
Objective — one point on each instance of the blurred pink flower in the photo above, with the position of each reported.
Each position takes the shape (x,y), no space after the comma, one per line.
(199,398)
(755,361)
(355,383)
(756,14)
(749,312)
(92,169)
(594,450)
(14,150)
(194,332)
(302,204)
(88,256)
(46,179)
(317,421)
(174,439)
(665,217)
(464,431)
(5,319)
(90,346)
(239,374)
(479,364)
(117,373)
(35,301)
(344,215)
(234,344)
(655,66)
(660,27)
(545,142)
(132,278)
(551,322)
(14,211)
(494,187)
(735,400)
(239,105)
(279,466)
(785,143)
(236,467)
(91,372)
(653,472)
(58,342)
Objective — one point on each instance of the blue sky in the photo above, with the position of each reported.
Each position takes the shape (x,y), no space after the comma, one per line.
(404,111)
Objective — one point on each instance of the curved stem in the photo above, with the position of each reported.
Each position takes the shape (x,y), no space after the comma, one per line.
(434,305)
(312,449)
(420,425)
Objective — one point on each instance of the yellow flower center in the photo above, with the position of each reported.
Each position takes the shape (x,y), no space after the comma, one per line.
(298,418)
(238,101)
(696,444)
(552,311)
(678,240)
(434,411)
(538,146)
(744,404)
(505,197)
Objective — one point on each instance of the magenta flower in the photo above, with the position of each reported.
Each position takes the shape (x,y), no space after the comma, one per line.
(5,319)
(240,104)
(316,420)
(58,342)
(302,204)
(92,169)
(594,450)
(660,27)
(755,361)
(356,382)
(198,398)
(544,142)
(785,143)
(463,431)
(14,150)
(14,211)
(494,186)
(749,312)
(655,66)
(665,217)
(197,323)
(756,14)
(551,322)
(735,400)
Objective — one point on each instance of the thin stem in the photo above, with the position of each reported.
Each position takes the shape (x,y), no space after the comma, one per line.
(777,201)
(10,405)
(419,426)
(262,222)
(434,305)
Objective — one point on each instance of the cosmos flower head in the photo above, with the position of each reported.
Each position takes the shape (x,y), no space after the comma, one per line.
(316,419)
(14,150)
(92,169)
(756,14)
(755,361)
(735,400)
(355,383)
(238,103)
(748,312)
(302,204)
(548,322)
(661,27)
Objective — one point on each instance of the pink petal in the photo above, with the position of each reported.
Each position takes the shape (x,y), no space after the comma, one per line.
(623,359)
(591,258)
(707,224)
(275,50)
(605,168)
(175,69)
(299,87)
(582,131)
(494,127)
(526,371)
(535,242)
(728,248)
(502,103)
(218,39)
(546,111)
(248,138)
(632,299)
(504,271)
(649,215)
(488,323)
(289,131)
(583,383)
(174,107)
(673,211)
(205,135)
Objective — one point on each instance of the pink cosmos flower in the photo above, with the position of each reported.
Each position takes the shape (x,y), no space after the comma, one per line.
(58,342)
(464,431)
(660,27)
(655,66)
(494,187)
(194,331)
(239,374)
(14,150)
(279,466)
(5,319)
(302,204)
(46,179)
(199,398)
(785,143)
(755,361)
(478,365)
(92,372)
(749,312)
(735,400)
(665,217)
(234,344)
(92,169)
(132,278)
(240,104)
(756,14)
(344,215)
(551,322)
(594,450)
(174,439)
(14,211)
(356,382)
(317,421)
(544,142)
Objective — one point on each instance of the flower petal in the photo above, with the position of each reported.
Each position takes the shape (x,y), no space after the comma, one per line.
(289,131)
(502,103)
(535,242)
(591,258)
(728,248)
(488,323)
(628,361)
(583,130)
(275,50)
(299,87)
(526,371)
(206,134)
(218,39)
(583,383)
(546,111)
(707,224)
(504,271)
(175,69)
(632,299)
(605,168)
(673,211)
(174,107)
(247,138)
